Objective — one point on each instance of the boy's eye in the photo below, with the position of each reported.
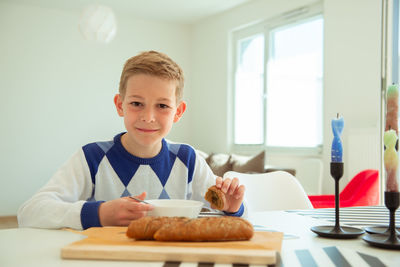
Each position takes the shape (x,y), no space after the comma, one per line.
(163,106)
(136,104)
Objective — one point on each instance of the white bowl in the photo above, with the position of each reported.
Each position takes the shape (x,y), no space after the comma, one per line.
(175,207)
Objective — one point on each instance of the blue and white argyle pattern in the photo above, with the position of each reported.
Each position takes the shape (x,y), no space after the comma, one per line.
(116,173)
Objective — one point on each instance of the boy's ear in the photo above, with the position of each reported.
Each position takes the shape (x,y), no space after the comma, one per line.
(180,110)
(118,104)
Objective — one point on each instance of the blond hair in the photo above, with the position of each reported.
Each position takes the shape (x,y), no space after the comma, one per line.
(156,64)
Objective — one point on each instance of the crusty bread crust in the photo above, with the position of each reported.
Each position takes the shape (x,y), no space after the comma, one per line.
(216,197)
(206,229)
(145,227)
(184,229)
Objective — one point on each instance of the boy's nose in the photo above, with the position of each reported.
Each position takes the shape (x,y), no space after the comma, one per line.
(147,115)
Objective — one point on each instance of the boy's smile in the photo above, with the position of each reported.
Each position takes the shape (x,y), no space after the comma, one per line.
(146,130)
(149,108)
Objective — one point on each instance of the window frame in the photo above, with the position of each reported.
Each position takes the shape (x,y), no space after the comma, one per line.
(287,19)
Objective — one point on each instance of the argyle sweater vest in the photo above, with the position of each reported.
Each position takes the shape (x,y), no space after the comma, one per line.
(168,175)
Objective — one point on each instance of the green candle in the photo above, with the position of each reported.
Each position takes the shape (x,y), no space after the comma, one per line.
(391,160)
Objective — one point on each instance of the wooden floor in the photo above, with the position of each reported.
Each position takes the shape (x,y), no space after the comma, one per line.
(7,222)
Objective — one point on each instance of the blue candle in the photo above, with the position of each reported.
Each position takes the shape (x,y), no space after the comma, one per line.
(337,147)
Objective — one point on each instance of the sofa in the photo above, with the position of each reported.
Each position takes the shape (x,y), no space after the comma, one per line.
(220,163)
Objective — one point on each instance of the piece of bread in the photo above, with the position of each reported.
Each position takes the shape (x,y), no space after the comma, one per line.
(216,197)
(207,229)
(145,227)
(185,229)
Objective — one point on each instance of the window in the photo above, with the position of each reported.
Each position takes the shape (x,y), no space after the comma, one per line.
(278,83)
(249,91)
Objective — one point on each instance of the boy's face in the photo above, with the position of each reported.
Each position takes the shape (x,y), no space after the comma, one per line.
(149,109)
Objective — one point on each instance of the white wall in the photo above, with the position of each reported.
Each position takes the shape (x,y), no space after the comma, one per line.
(351,77)
(352,81)
(57,89)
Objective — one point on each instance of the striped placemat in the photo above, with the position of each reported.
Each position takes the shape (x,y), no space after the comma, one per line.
(330,256)
(353,216)
(326,257)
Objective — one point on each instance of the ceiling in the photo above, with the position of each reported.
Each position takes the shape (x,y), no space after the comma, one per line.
(178,11)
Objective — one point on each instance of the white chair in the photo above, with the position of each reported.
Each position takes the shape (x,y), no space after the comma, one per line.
(272,191)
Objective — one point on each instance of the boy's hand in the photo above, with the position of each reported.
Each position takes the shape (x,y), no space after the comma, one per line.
(121,211)
(234,193)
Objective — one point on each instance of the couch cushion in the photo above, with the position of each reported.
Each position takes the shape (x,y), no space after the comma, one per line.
(219,163)
(248,164)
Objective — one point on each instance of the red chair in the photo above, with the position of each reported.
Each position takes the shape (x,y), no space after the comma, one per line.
(362,190)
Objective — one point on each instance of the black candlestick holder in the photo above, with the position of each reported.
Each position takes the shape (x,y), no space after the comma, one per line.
(337,231)
(381,229)
(389,240)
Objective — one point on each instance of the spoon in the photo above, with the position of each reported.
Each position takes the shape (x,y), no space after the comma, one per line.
(139,200)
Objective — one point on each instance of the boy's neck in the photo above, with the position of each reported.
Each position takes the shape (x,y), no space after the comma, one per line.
(138,150)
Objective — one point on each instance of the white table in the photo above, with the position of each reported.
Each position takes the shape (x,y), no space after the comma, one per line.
(38,247)
(303,238)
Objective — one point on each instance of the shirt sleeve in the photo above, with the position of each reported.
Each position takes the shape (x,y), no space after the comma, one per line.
(59,203)
(203,178)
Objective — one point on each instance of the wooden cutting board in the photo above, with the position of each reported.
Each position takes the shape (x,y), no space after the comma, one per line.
(111,243)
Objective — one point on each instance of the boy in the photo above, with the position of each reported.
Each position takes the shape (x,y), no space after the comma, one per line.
(93,187)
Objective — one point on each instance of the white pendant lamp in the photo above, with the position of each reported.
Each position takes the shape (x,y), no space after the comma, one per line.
(98,23)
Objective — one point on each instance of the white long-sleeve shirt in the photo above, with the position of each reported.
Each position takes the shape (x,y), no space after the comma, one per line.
(104,171)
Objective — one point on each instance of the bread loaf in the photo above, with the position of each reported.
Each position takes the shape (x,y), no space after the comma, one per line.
(145,227)
(185,229)
(206,229)
(216,197)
